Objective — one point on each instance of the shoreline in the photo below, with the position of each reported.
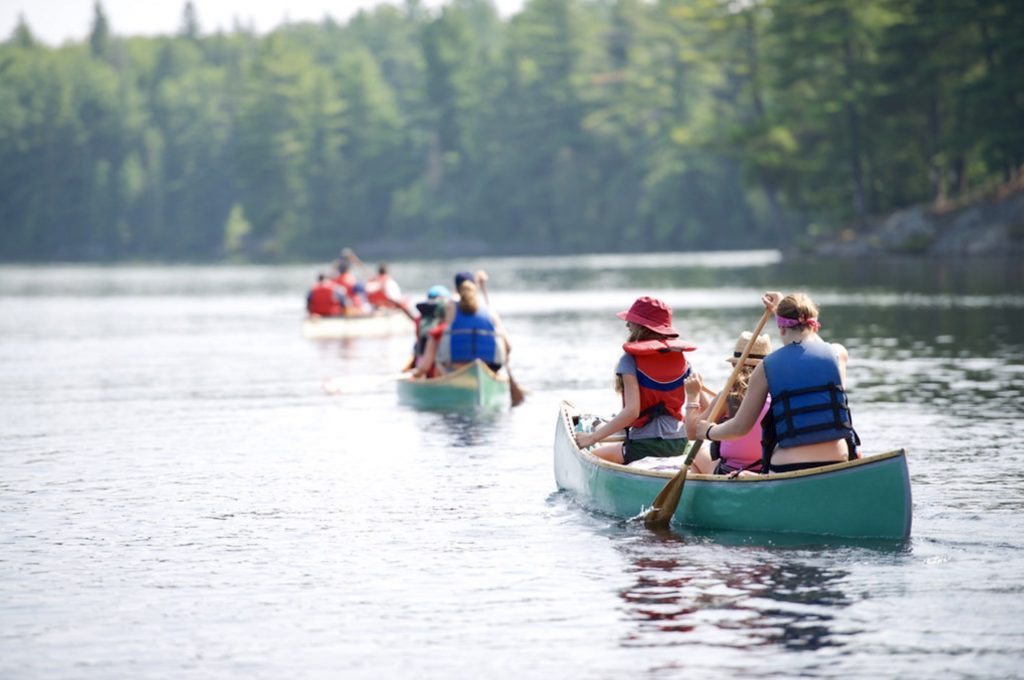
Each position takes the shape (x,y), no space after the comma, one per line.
(991,226)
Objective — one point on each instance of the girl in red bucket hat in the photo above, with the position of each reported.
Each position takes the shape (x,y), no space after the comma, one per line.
(650,376)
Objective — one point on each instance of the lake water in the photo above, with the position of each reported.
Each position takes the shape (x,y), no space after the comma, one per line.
(179,497)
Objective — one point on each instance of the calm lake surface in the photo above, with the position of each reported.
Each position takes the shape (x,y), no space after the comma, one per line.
(179,497)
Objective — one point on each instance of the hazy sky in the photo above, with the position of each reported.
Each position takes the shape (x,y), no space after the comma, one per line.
(55,21)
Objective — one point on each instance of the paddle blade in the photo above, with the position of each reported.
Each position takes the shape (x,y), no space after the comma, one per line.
(665,504)
(660,516)
(514,392)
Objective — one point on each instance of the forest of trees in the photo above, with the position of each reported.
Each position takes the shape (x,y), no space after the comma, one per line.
(573,126)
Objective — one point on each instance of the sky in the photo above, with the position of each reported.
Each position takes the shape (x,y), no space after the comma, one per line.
(56,21)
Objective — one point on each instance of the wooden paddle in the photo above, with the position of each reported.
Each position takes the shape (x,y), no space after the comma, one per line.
(660,514)
(515,393)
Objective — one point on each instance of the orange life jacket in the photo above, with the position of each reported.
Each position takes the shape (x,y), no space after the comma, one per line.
(661,369)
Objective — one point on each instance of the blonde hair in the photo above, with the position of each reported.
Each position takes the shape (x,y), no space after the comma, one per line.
(739,386)
(468,302)
(798,307)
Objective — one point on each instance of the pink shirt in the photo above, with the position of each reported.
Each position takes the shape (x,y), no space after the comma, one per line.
(739,453)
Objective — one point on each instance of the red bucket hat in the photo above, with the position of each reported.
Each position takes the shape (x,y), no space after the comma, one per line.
(651,313)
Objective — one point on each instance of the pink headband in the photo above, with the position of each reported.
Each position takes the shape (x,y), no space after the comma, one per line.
(784,322)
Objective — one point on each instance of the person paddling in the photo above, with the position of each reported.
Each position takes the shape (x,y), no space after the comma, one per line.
(736,455)
(472,331)
(650,376)
(430,327)
(809,423)
(382,291)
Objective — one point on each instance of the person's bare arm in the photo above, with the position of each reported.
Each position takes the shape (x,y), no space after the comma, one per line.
(630,412)
(697,406)
(746,416)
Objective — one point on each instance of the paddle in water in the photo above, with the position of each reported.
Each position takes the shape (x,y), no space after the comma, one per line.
(515,393)
(660,515)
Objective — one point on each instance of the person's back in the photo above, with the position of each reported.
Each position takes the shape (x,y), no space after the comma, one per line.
(429,328)
(809,412)
(323,299)
(352,289)
(382,291)
(808,424)
(471,334)
(744,453)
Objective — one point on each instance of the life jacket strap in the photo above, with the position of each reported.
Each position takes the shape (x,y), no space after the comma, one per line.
(650,383)
(837,404)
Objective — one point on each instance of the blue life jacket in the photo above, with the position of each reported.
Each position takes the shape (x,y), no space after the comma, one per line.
(808,401)
(472,336)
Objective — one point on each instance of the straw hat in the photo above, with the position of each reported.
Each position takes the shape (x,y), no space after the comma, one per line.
(762,348)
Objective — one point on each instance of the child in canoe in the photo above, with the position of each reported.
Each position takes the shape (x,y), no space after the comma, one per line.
(650,376)
(808,424)
(734,455)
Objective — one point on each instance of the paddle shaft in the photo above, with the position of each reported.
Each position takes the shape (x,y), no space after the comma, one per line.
(515,393)
(660,515)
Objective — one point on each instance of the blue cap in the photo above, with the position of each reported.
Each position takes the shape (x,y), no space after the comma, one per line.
(437,291)
(464,276)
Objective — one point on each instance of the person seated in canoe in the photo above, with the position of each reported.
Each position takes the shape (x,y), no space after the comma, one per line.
(735,455)
(383,292)
(429,328)
(352,289)
(808,423)
(650,376)
(472,331)
(325,298)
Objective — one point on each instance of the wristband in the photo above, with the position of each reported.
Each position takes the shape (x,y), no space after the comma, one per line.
(707,434)
(689,406)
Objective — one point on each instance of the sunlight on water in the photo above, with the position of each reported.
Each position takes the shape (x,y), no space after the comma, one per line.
(181,496)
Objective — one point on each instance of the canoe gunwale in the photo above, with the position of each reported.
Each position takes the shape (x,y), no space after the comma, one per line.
(591,459)
(457,374)
(474,385)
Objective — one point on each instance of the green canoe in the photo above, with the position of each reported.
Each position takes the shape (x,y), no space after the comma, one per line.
(866,498)
(474,386)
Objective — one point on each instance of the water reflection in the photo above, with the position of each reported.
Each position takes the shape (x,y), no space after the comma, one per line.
(464,429)
(689,590)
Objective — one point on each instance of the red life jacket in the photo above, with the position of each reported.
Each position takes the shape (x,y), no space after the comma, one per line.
(348,281)
(376,293)
(322,300)
(661,369)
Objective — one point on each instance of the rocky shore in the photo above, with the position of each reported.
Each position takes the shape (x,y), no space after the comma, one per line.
(992,225)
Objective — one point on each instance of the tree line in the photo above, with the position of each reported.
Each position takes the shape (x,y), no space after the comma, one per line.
(572,126)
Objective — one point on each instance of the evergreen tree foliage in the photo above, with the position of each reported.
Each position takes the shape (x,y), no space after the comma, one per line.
(572,126)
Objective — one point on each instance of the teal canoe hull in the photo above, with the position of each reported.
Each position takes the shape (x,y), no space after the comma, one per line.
(866,498)
(474,386)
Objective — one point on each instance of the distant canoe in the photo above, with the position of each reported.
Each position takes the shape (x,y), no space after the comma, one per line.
(866,498)
(371,325)
(472,386)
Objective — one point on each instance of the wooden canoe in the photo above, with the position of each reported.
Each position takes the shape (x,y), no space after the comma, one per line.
(474,386)
(866,498)
(378,324)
